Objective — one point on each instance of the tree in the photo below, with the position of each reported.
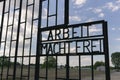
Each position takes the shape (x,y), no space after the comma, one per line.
(49,61)
(99,63)
(115,58)
(4,61)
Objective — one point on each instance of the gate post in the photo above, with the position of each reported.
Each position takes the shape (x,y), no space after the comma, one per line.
(106,50)
(39,39)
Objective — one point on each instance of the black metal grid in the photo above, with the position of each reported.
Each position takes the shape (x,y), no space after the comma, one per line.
(18,49)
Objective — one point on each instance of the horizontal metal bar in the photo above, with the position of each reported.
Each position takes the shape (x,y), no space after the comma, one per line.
(16,9)
(30,4)
(28,38)
(70,26)
(14,40)
(75,54)
(74,39)
(10,25)
(22,56)
(10,75)
(6,12)
(35,19)
(66,79)
(51,15)
(2,0)
(22,22)
(43,77)
(2,41)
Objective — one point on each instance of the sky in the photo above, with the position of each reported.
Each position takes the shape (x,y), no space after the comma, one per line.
(92,10)
(80,11)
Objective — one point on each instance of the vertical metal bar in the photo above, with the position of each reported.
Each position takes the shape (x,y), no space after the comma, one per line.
(39,39)
(66,12)
(46,66)
(79,67)
(24,40)
(92,63)
(106,50)
(87,31)
(92,68)
(2,21)
(56,68)
(31,39)
(81,31)
(1,30)
(17,41)
(100,45)
(11,39)
(67,66)
(6,35)
(56,12)
(48,13)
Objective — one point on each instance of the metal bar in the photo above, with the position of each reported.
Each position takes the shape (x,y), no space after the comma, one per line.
(48,13)
(74,54)
(46,67)
(5,40)
(56,12)
(31,40)
(67,67)
(51,15)
(73,25)
(66,12)
(74,39)
(79,67)
(24,41)
(17,41)
(2,21)
(2,0)
(106,50)
(56,72)
(39,38)
(92,68)
(11,40)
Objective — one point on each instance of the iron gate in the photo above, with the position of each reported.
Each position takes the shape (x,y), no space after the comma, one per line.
(32,31)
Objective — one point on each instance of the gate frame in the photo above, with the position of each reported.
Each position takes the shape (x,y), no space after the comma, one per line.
(39,40)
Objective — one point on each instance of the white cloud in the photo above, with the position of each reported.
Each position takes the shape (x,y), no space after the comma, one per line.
(113,6)
(90,20)
(97,10)
(74,18)
(79,2)
(118,1)
(44,15)
(94,29)
(113,29)
(101,15)
(118,28)
(118,39)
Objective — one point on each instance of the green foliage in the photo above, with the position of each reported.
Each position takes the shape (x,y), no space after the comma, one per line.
(99,63)
(115,58)
(5,61)
(50,62)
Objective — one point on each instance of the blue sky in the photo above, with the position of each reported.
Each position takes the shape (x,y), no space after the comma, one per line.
(84,11)
(109,10)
